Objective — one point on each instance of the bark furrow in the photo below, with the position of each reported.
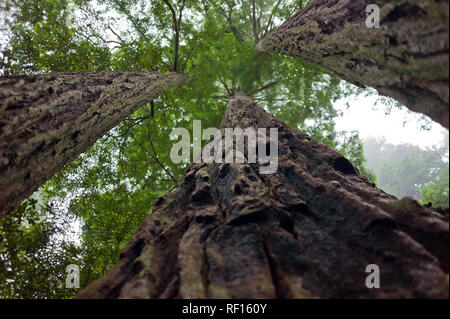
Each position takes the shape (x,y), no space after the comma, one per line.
(307,231)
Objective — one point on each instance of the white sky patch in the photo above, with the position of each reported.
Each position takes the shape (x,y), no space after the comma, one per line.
(400,126)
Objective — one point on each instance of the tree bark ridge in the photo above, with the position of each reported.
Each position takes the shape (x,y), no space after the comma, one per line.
(307,231)
(47,120)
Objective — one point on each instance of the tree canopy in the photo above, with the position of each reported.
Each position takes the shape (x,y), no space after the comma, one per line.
(409,170)
(104,194)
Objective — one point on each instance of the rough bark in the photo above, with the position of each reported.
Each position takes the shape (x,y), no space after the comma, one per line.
(407,58)
(47,120)
(307,231)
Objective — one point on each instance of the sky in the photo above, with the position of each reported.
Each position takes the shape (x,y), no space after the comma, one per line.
(371,121)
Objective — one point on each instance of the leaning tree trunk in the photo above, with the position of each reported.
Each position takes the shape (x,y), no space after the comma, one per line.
(407,58)
(47,120)
(309,230)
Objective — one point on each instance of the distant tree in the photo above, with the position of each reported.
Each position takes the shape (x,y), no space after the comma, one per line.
(436,191)
(403,169)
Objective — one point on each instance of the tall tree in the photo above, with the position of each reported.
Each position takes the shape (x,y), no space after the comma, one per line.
(47,120)
(406,58)
(111,187)
(308,230)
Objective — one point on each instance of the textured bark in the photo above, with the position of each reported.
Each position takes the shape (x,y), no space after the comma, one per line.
(47,120)
(407,58)
(307,231)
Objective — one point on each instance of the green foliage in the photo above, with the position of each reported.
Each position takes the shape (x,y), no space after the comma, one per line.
(436,191)
(33,256)
(41,40)
(406,170)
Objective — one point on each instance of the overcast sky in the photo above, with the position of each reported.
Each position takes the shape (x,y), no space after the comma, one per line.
(370,120)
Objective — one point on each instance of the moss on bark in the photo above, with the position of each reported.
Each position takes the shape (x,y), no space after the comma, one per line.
(407,58)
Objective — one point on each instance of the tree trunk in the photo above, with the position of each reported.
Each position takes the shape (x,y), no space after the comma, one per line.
(47,120)
(407,58)
(309,230)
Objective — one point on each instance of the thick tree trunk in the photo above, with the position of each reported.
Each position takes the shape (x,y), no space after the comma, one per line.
(309,230)
(407,58)
(47,120)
